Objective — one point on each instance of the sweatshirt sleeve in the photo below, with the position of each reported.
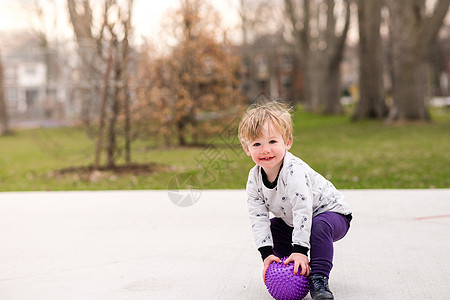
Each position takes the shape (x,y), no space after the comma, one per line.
(301,198)
(258,212)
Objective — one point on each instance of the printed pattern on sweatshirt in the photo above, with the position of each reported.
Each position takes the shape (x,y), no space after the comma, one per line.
(301,193)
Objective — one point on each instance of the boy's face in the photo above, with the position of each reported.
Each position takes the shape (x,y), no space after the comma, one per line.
(268,150)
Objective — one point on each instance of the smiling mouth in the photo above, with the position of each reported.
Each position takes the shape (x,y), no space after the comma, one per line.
(267,158)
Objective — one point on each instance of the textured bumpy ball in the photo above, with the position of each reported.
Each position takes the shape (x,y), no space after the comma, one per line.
(282,284)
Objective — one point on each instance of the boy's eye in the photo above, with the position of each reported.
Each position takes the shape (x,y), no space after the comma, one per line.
(272,142)
(256,144)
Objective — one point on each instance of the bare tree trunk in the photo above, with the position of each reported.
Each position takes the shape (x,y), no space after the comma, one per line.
(4,127)
(181,125)
(316,77)
(81,22)
(117,89)
(126,91)
(335,49)
(333,104)
(320,53)
(410,90)
(101,126)
(127,123)
(412,35)
(111,148)
(302,46)
(372,103)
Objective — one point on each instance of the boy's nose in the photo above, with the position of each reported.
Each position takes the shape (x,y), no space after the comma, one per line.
(265,148)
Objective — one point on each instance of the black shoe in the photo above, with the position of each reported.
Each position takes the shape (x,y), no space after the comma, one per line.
(318,287)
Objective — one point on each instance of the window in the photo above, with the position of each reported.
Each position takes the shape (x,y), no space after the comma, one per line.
(10,73)
(286,63)
(30,70)
(11,95)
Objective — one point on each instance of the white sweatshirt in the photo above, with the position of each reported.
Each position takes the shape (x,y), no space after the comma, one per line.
(301,193)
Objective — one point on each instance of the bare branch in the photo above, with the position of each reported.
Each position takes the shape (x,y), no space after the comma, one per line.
(433,23)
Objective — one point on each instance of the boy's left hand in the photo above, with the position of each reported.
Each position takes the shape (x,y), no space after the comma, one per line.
(300,260)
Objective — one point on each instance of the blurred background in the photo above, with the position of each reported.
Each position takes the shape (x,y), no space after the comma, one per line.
(135,94)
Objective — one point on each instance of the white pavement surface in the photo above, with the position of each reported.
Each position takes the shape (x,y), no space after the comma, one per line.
(139,245)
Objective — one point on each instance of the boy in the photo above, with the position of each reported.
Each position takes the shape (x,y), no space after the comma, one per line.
(310,214)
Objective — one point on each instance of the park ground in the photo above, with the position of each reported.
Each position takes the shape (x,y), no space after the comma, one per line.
(67,234)
(353,155)
(141,245)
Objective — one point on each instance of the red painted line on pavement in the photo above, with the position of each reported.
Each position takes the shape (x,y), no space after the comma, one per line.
(432,217)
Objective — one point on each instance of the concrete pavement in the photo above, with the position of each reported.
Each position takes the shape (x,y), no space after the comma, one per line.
(140,245)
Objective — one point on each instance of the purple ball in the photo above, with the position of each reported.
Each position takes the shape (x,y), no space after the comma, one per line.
(282,284)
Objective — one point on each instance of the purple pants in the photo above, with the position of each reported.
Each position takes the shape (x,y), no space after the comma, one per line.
(328,227)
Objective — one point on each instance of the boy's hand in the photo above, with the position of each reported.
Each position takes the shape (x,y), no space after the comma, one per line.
(269,259)
(300,260)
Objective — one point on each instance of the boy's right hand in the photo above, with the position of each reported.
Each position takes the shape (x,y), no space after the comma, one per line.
(269,259)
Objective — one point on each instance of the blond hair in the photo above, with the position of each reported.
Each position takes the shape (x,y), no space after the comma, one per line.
(253,120)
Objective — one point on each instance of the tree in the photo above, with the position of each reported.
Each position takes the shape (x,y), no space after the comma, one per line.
(194,90)
(4,128)
(89,69)
(413,31)
(320,46)
(371,89)
(105,58)
(269,62)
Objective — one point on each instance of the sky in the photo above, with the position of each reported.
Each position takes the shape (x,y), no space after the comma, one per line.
(18,14)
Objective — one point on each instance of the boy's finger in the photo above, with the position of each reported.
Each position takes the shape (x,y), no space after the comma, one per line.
(303,269)
(287,261)
(296,265)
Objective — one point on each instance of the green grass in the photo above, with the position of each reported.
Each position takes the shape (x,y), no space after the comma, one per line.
(368,154)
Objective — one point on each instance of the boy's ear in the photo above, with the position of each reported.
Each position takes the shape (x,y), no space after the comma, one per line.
(289,144)
(245,147)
